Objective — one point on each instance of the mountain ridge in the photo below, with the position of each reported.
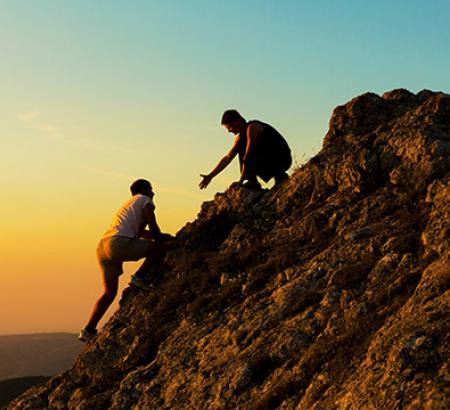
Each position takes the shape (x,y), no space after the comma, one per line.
(36,354)
(330,292)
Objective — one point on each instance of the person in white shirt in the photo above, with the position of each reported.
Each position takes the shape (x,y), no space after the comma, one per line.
(127,240)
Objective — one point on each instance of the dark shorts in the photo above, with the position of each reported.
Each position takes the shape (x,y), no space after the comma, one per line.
(113,251)
(269,166)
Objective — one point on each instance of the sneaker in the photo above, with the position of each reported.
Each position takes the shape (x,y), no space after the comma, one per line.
(140,283)
(279,179)
(87,335)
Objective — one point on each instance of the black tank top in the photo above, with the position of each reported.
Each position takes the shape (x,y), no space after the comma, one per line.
(270,142)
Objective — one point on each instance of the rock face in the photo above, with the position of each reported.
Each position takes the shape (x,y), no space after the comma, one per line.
(329,292)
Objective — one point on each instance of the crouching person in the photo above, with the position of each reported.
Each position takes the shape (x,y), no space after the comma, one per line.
(128,240)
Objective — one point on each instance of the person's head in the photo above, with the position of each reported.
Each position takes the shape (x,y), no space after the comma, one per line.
(143,187)
(233,121)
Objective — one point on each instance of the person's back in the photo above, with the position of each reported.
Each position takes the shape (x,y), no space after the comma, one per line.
(130,218)
(270,156)
(270,141)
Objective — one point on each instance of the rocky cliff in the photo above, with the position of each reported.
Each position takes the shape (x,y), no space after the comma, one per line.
(330,292)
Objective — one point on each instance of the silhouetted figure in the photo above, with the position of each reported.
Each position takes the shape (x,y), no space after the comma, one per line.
(262,152)
(128,240)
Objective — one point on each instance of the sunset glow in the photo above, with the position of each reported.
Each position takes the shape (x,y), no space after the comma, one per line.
(95,95)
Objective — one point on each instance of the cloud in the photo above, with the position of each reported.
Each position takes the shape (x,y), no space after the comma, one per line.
(32,118)
(47,128)
(27,116)
(129,178)
(179,192)
(111,174)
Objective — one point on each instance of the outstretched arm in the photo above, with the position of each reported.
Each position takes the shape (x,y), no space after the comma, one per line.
(223,163)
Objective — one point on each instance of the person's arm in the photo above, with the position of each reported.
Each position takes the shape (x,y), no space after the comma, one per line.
(220,166)
(253,132)
(154,232)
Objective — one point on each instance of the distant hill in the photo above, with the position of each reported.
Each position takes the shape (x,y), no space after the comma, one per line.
(12,388)
(44,354)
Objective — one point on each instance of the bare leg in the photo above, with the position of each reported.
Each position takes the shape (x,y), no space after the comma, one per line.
(103,302)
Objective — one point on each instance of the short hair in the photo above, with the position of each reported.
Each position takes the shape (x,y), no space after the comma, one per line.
(140,186)
(230,116)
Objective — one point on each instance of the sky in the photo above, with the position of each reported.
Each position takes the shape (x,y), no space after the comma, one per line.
(95,94)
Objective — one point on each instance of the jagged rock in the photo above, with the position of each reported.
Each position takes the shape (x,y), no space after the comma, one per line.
(329,292)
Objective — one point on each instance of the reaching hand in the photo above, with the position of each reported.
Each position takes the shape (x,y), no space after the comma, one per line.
(205,182)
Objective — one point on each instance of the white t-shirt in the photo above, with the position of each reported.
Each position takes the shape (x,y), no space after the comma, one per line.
(129,219)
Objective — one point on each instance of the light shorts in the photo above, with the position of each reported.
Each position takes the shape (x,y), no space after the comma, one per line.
(114,250)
